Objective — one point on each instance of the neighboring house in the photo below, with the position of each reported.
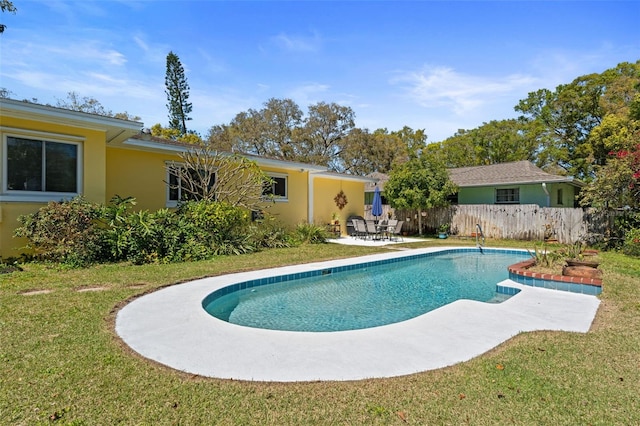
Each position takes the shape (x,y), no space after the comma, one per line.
(50,154)
(519,182)
(378,179)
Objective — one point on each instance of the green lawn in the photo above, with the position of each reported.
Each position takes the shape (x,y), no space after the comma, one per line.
(61,362)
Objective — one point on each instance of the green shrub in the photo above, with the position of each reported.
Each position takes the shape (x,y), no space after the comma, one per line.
(117,231)
(152,237)
(311,234)
(623,224)
(66,232)
(77,233)
(133,236)
(217,226)
(8,266)
(631,246)
(269,233)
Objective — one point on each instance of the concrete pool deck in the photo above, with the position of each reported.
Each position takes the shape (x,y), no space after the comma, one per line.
(171,327)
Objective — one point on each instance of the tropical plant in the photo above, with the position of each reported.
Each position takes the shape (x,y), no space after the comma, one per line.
(544,256)
(311,234)
(269,233)
(574,251)
(209,175)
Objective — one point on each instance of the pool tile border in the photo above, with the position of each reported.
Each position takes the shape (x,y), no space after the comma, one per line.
(519,272)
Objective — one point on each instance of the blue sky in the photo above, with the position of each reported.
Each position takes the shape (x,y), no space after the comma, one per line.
(438,66)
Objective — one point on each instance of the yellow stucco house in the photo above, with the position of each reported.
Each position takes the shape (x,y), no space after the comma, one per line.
(50,153)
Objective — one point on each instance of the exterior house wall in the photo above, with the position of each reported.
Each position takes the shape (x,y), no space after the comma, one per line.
(138,174)
(294,208)
(567,196)
(529,194)
(325,190)
(93,166)
(109,165)
(476,195)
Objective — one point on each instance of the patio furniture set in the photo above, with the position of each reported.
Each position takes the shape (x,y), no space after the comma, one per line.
(382,230)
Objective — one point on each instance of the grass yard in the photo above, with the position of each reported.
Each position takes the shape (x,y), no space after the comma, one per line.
(62,363)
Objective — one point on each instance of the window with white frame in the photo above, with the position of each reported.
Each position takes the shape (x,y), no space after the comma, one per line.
(508,196)
(42,166)
(277,188)
(178,188)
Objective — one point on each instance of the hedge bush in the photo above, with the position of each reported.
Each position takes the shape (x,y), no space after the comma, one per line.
(78,233)
(66,232)
(631,246)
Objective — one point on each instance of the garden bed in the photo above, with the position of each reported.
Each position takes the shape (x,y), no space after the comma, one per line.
(529,269)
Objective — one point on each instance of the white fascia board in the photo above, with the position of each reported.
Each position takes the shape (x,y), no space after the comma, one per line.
(153,146)
(262,161)
(342,176)
(22,109)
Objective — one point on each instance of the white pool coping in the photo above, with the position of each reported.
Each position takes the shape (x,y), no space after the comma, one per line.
(171,327)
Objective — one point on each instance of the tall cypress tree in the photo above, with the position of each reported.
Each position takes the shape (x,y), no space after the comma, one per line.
(177,94)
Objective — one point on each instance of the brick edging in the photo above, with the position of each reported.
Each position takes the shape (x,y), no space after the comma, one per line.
(522,269)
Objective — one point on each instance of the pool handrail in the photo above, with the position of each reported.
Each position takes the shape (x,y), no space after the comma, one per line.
(479,234)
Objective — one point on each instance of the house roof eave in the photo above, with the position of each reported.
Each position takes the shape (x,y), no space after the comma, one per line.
(569,181)
(342,176)
(116,129)
(173,147)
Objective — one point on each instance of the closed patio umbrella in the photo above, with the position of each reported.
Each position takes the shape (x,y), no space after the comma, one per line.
(376,207)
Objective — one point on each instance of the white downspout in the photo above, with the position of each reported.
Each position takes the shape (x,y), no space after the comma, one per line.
(544,188)
(310,197)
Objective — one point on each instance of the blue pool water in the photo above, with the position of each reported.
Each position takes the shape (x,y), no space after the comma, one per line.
(367,295)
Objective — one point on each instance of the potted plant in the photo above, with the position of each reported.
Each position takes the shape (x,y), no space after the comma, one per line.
(335,218)
(443,231)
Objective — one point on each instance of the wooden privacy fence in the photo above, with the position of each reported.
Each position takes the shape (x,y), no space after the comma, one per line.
(519,222)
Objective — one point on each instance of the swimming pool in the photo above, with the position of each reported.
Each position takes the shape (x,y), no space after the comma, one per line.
(170,326)
(365,295)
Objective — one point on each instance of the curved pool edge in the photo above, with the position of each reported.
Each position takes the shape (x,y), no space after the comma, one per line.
(169,326)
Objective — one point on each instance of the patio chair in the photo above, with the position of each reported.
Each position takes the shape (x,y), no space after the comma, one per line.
(396,231)
(372,230)
(391,225)
(359,228)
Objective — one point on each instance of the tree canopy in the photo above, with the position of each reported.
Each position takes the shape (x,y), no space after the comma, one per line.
(581,129)
(6,6)
(420,183)
(90,105)
(569,114)
(326,136)
(494,142)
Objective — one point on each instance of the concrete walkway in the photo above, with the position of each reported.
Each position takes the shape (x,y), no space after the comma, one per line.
(352,241)
(171,327)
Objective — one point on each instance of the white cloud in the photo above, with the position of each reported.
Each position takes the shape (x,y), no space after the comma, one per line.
(210,63)
(308,94)
(297,43)
(141,43)
(443,87)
